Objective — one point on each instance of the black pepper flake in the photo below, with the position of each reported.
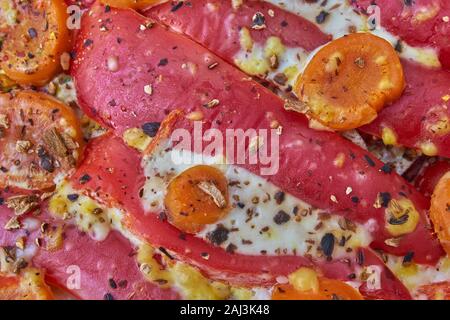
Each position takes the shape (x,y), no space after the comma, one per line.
(151,128)
(107,8)
(108,296)
(87,43)
(162,216)
(399,221)
(352,276)
(369,160)
(322,17)
(385,198)
(2,201)
(398,46)
(407,259)
(258,21)
(241,205)
(163,62)
(355,199)
(85,179)
(72,197)
(32,33)
(386,168)
(177,6)
(360,257)
(112,283)
(231,248)
(284,23)
(279,197)
(408,3)
(219,235)
(281,217)
(327,244)
(122,283)
(46,161)
(165,252)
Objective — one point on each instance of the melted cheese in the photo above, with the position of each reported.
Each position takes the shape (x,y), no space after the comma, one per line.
(98,220)
(414,275)
(252,224)
(342,18)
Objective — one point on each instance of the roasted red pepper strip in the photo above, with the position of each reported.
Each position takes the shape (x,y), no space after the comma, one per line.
(427,180)
(306,156)
(116,178)
(420,22)
(97,262)
(419,119)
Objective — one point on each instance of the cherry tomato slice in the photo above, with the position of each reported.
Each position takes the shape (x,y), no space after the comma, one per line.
(31,50)
(40,139)
(349,80)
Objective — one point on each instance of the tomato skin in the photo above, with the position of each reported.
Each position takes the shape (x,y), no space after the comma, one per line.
(411,117)
(32,49)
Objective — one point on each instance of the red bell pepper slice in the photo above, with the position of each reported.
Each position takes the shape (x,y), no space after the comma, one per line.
(420,22)
(411,117)
(118,100)
(115,178)
(101,265)
(428,179)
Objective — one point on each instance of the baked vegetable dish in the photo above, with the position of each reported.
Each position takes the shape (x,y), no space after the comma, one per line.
(234,149)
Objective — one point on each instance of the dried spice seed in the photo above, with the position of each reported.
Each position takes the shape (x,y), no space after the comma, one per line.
(32,33)
(85,179)
(327,244)
(385,198)
(279,197)
(258,21)
(399,221)
(151,128)
(87,43)
(72,197)
(369,160)
(407,259)
(176,6)
(321,17)
(281,217)
(112,283)
(163,62)
(219,235)
(386,168)
(108,296)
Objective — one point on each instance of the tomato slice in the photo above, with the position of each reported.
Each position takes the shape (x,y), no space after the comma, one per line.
(133,4)
(349,80)
(40,139)
(440,211)
(30,285)
(32,47)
